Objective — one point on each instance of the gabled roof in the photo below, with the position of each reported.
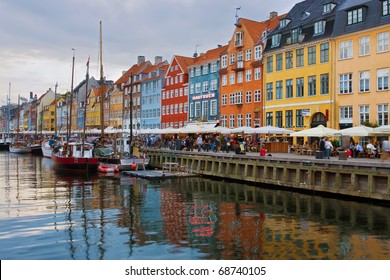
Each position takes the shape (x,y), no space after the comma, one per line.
(210,55)
(162,66)
(183,61)
(133,70)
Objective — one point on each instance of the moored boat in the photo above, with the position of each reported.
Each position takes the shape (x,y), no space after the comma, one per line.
(107,168)
(19,148)
(74,157)
(35,148)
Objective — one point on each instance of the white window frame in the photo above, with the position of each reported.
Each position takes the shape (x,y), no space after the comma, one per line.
(364,46)
(345,50)
(382,79)
(382,42)
(364,81)
(345,83)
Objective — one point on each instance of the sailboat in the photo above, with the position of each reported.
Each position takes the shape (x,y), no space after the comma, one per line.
(17,146)
(75,156)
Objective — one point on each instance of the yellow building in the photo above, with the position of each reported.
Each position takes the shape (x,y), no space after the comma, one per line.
(93,109)
(362,64)
(298,68)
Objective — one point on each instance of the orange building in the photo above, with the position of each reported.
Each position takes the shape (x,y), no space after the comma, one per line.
(241,73)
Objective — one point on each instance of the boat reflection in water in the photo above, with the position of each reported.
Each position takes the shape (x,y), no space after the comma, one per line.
(50,216)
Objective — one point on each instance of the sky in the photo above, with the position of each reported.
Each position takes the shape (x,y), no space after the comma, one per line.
(37,37)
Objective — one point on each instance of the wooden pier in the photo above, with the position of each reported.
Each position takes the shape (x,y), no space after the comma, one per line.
(360,178)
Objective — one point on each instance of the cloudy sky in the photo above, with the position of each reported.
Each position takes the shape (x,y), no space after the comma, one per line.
(37,36)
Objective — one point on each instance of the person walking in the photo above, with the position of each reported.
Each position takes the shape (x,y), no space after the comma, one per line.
(328,147)
(322,147)
(199,141)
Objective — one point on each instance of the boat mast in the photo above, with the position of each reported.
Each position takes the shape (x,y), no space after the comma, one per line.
(131,114)
(8,109)
(55,109)
(17,120)
(85,105)
(101,86)
(70,100)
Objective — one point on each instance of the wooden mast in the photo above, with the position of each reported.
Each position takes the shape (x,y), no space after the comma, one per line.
(55,109)
(85,105)
(101,86)
(70,99)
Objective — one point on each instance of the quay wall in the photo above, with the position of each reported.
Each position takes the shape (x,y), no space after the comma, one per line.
(364,179)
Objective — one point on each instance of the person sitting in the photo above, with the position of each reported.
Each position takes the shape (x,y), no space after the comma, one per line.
(371,150)
(263,151)
(358,150)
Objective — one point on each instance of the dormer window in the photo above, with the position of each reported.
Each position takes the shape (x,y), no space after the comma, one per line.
(385,7)
(305,15)
(328,7)
(276,40)
(295,35)
(283,23)
(355,16)
(319,27)
(238,39)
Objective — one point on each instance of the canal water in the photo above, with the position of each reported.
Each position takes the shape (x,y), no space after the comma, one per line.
(44,216)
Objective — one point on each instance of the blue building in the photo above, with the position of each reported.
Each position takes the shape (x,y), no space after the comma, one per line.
(204,86)
(152,84)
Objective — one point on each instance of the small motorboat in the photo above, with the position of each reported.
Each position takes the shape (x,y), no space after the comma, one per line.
(108,168)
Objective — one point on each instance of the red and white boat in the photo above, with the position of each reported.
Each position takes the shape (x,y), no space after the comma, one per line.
(74,157)
(107,168)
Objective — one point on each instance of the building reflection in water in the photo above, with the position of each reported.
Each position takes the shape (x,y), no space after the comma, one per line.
(122,217)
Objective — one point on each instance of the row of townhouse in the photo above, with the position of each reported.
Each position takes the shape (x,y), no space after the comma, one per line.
(324,62)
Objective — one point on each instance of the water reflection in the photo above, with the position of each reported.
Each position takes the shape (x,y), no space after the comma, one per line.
(45,215)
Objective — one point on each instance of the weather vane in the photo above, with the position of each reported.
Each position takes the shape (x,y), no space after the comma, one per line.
(237,9)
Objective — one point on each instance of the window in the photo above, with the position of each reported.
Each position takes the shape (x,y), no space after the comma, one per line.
(224,61)
(299,54)
(257,95)
(248,55)
(279,118)
(383,42)
(275,40)
(205,109)
(248,97)
(270,62)
(279,90)
(248,120)
(289,60)
(269,118)
(298,118)
(213,107)
(364,81)
(214,84)
(345,83)
(224,121)
(311,52)
(239,56)
(383,79)
(300,87)
(355,16)
(289,118)
(346,114)
(232,79)
(279,62)
(213,67)
(197,109)
(257,74)
(270,91)
(238,39)
(324,79)
(224,99)
(319,27)
(364,45)
(345,50)
(239,77)
(327,8)
(197,71)
(240,122)
(289,88)
(232,58)
(385,7)
(364,113)
(205,69)
(231,121)
(383,114)
(312,85)
(283,23)
(295,35)
(198,87)
(248,75)
(224,80)
(205,86)
(258,52)
(324,52)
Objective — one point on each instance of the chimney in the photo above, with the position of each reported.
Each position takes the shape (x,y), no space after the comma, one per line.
(31,95)
(157,60)
(141,59)
(273,15)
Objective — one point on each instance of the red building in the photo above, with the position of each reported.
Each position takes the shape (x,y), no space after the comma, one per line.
(174,99)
